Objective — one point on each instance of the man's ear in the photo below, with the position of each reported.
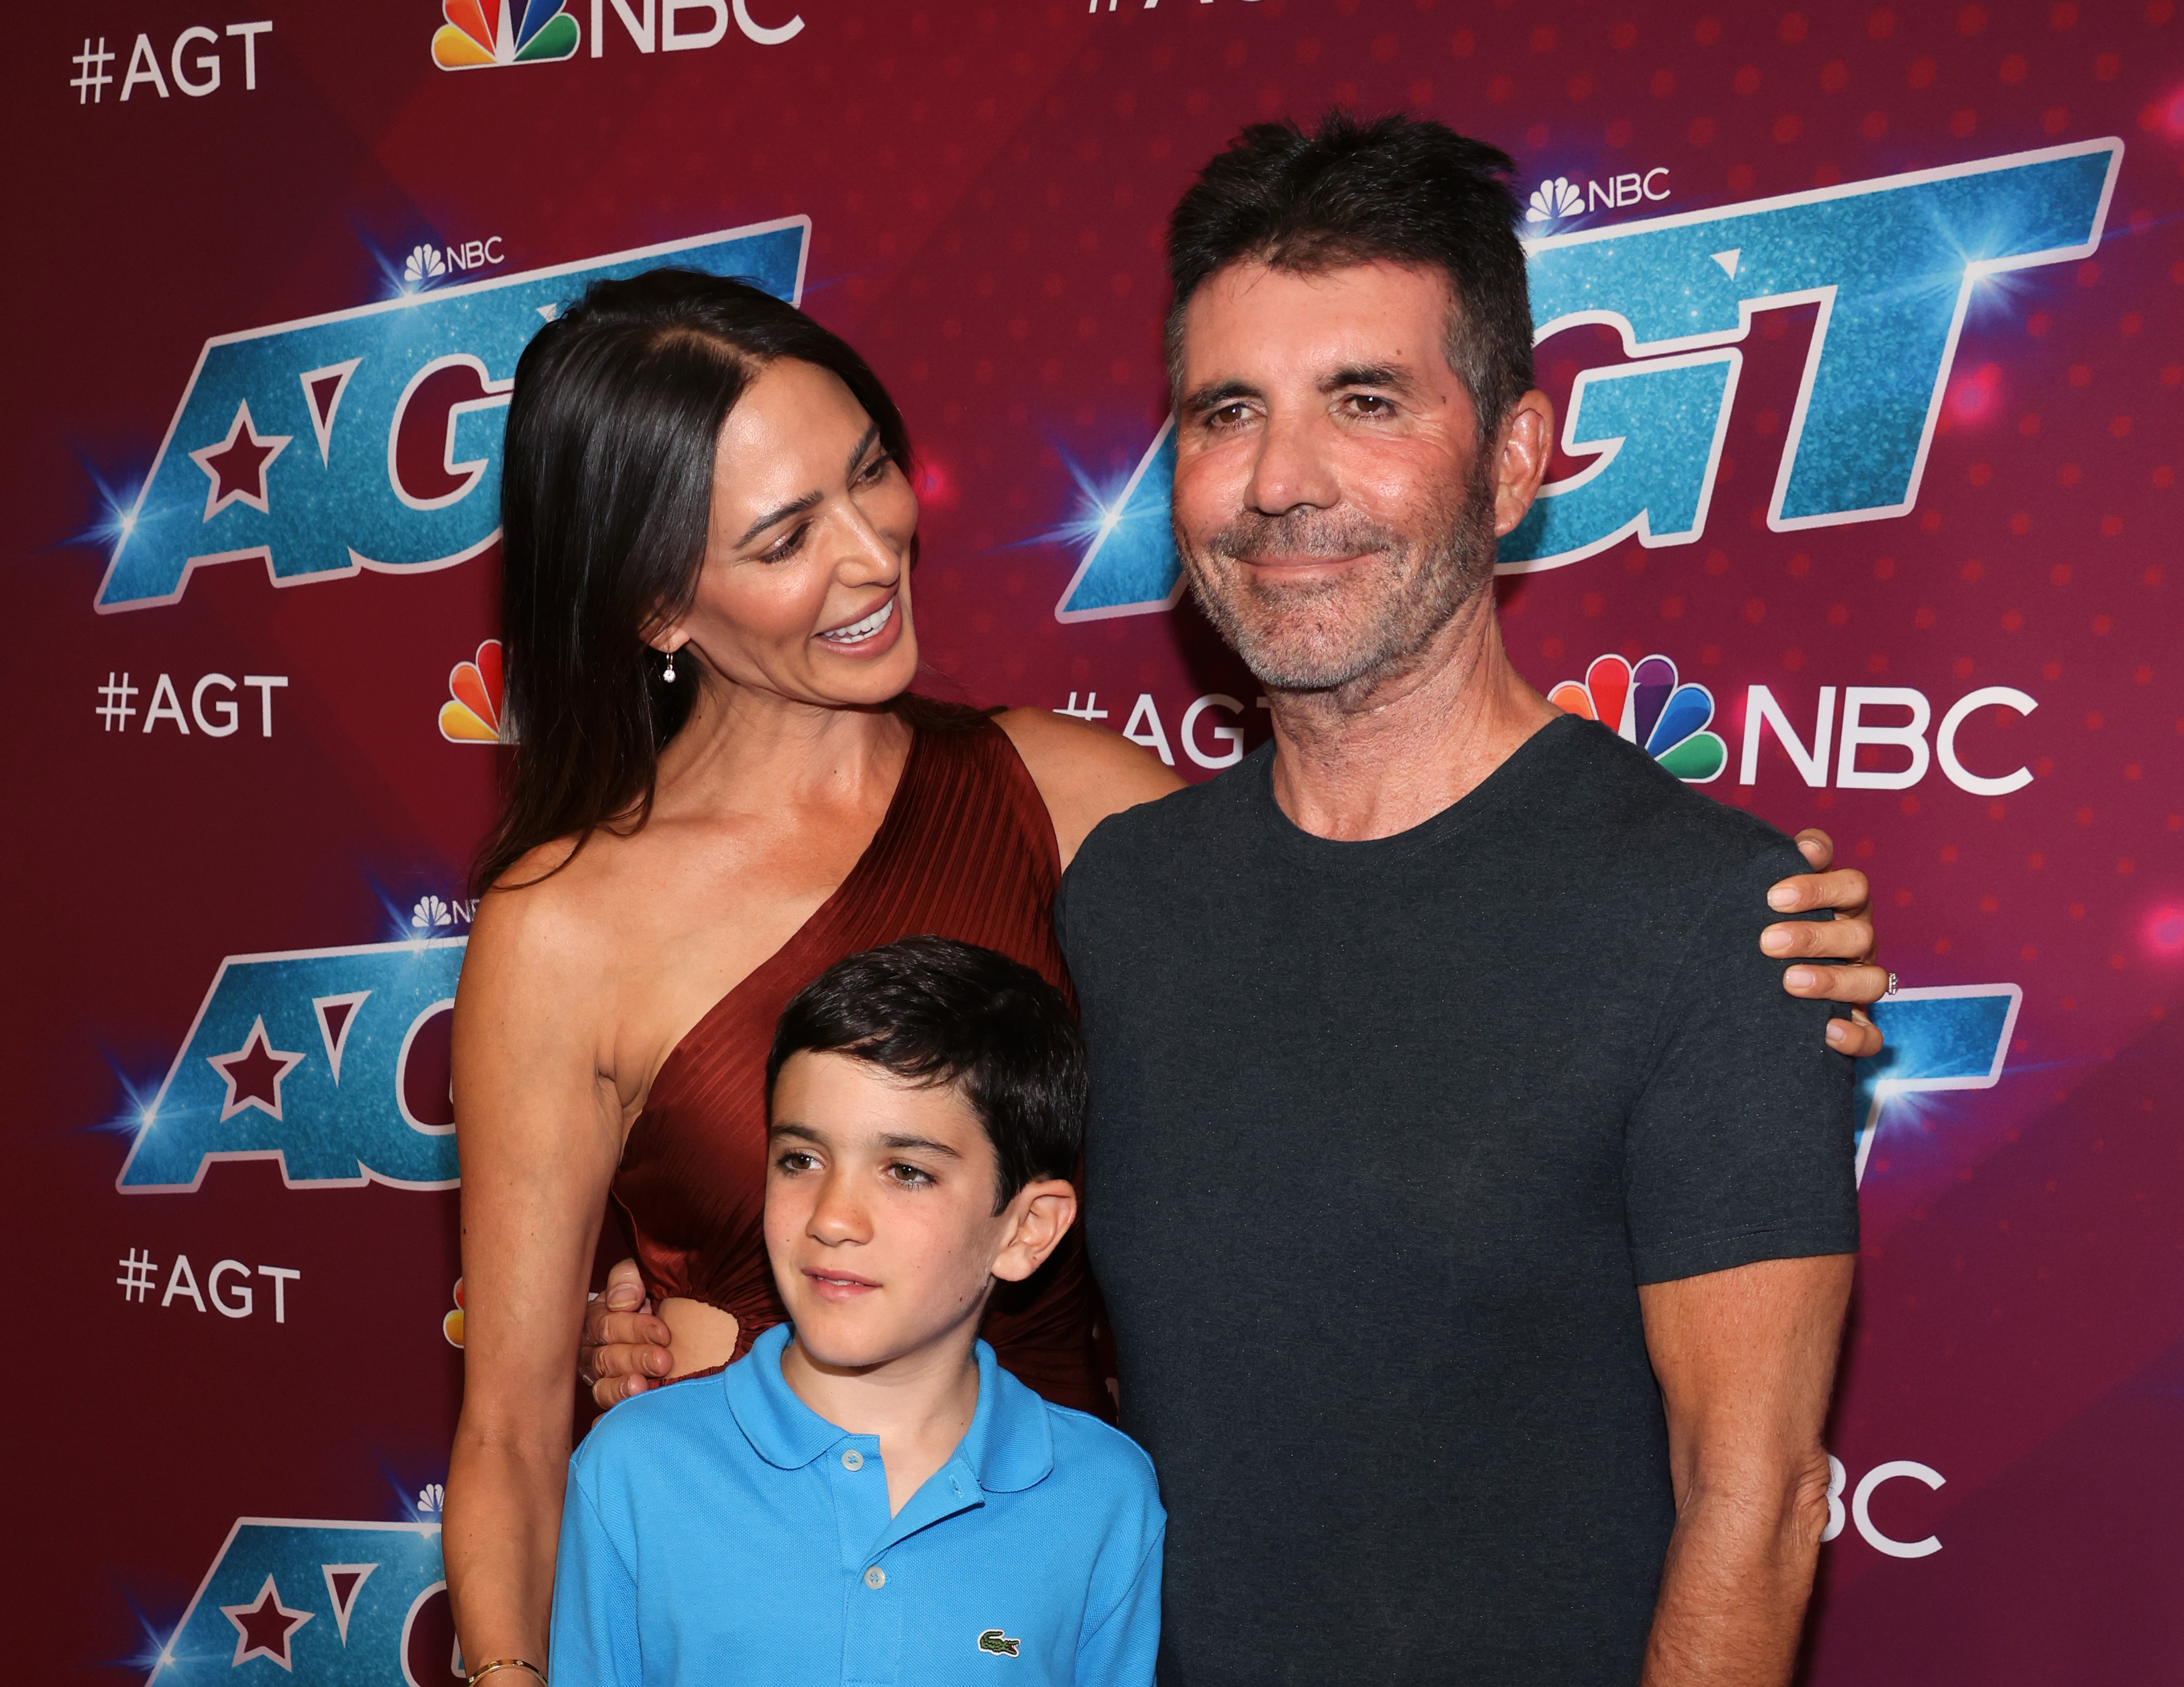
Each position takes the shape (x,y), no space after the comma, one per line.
(1522,450)
(1040,1217)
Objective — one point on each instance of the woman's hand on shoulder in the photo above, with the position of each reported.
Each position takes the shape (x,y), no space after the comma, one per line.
(1846,938)
(1083,772)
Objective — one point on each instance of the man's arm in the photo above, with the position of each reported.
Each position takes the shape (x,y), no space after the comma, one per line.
(1746,1359)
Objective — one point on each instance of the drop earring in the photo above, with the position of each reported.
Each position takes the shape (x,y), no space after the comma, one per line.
(667,673)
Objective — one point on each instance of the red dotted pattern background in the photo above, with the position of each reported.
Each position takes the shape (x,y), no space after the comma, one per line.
(987,186)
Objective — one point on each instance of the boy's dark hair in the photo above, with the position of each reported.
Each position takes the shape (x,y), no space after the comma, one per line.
(1405,190)
(934,1011)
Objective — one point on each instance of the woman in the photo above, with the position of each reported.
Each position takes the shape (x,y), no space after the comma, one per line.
(721,786)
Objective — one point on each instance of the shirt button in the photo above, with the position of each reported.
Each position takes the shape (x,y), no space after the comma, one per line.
(853,1460)
(876,1577)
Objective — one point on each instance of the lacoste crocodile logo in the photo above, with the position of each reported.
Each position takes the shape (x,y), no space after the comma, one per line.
(994,1641)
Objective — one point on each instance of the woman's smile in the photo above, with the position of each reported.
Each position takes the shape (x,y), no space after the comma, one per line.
(874,634)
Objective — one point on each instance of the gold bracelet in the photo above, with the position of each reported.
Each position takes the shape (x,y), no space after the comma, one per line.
(485,1669)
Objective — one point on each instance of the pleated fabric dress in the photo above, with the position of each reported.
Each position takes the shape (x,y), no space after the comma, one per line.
(966,850)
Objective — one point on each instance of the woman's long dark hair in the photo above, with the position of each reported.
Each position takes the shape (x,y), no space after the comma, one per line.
(605,496)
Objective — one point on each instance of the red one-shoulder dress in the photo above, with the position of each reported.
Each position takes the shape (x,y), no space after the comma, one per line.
(966,850)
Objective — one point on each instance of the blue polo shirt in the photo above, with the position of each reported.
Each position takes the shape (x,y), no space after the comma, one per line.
(721,1531)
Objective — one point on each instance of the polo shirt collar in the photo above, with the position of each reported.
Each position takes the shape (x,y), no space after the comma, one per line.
(1009,1446)
(782,1429)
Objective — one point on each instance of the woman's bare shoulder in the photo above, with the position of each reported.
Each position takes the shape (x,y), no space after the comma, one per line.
(553,919)
(1083,772)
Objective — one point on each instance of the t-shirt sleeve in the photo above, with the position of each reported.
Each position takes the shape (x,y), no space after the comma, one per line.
(1740,1147)
(595,1628)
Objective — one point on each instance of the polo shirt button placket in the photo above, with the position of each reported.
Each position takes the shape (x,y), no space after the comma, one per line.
(876,1578)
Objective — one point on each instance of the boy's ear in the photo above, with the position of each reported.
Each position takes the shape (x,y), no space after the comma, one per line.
(1042,1213)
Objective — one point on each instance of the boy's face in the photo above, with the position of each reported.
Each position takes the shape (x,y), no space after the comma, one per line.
(879,1212)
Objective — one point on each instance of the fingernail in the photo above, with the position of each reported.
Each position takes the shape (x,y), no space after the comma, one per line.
(622,1296)
(1838,1032)
(1800,977)
(1781,897)
(1774,940)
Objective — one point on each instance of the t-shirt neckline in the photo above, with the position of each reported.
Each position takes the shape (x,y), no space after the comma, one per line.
(1504,785)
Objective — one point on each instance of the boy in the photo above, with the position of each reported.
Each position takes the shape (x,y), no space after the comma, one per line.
(866,1497)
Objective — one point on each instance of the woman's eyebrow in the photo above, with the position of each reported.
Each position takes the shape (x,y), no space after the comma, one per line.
(810,500)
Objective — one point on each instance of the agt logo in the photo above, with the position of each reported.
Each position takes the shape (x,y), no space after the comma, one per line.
(1558,198)
(1892,264)
(195,63)
(359,1602)
(331,1063)
(370,438)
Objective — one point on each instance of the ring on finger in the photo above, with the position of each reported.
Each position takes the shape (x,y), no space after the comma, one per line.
(1891,990)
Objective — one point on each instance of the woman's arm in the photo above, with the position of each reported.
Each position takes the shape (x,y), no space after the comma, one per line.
(1083,772)
(1086,773)
(538,1128)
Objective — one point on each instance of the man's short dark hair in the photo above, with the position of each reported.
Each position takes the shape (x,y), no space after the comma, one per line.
(933,1011)
(1399,189)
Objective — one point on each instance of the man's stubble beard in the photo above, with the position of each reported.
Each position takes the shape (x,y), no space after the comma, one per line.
(1368,626)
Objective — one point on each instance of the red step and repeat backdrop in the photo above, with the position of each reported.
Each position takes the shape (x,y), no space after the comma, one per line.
(1863,323)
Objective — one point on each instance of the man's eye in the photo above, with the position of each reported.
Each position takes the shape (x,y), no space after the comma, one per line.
(794,1161)
(1370,404)
(910,1176)
(1229,416)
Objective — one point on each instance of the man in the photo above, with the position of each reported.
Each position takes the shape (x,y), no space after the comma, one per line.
(1473,1206)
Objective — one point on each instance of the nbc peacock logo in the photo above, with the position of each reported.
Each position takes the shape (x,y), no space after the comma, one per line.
(1647,705)
(479,33)
(471,714)
(1553,199)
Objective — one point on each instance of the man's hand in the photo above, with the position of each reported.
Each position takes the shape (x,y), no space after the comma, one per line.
(624,1346)
(1846,938)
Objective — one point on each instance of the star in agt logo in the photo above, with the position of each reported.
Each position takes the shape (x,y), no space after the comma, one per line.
(370,438)
(482,33)
(359,1602)
(1647,706)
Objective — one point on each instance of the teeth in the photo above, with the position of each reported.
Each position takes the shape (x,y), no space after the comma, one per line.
(864,629)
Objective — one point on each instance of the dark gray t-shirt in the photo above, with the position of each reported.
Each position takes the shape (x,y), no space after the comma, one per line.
(1384,1137)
